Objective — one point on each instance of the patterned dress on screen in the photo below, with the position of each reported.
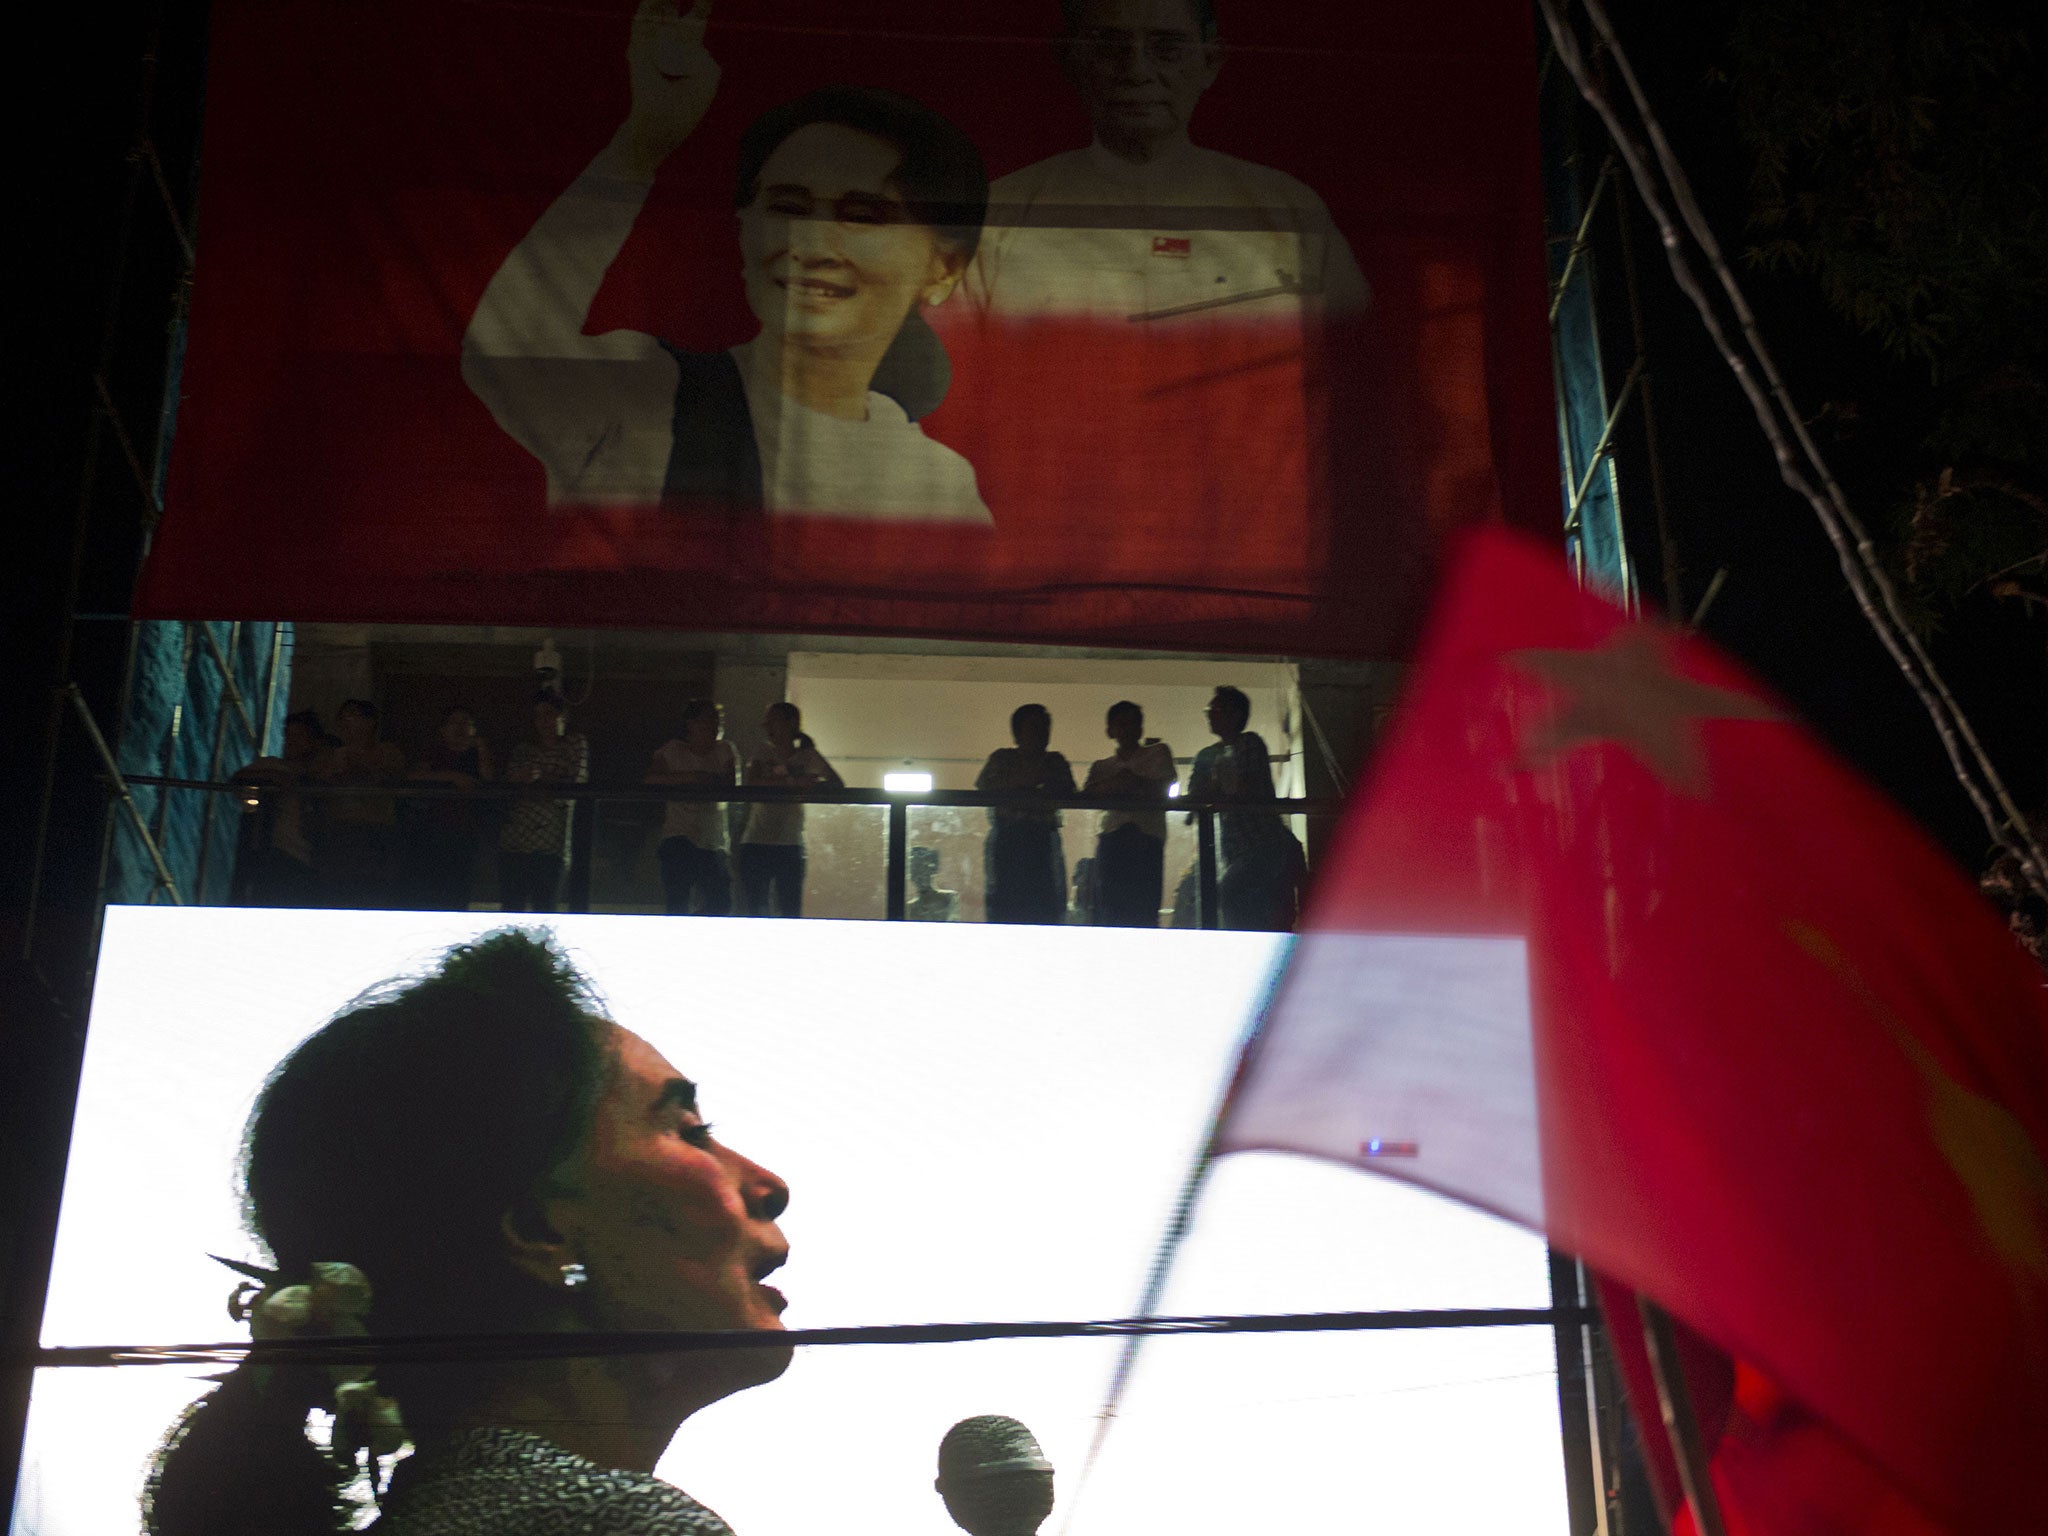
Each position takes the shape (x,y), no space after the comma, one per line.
(507,1482)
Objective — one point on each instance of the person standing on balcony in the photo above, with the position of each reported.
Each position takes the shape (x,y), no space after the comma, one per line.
(771,854)
(1262,865)
(357,845)
(441,832)
(696,873)
(1027,868)
(533,848)
(278,869)
(1130,850)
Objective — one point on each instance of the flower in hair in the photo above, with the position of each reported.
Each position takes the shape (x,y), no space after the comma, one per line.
(334,1301)
(365,1417)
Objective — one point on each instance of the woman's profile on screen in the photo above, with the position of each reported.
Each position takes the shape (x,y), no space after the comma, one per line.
(479,1150)
(857,208)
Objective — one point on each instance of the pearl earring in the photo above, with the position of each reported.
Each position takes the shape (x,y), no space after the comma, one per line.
(574,1275)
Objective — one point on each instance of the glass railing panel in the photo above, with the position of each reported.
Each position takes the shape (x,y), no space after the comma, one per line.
(625,849)
(846,856)
(947,865)
(625,856)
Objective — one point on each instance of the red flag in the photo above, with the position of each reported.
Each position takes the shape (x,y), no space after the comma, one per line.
(1776,1468)
(1614,948)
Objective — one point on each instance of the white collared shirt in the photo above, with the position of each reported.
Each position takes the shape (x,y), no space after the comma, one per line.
(1193,236)
(1152,762)
(701,821)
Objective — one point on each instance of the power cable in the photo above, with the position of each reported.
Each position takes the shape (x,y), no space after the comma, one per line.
(473,1348)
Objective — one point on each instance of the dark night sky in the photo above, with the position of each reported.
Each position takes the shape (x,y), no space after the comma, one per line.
(1785,608)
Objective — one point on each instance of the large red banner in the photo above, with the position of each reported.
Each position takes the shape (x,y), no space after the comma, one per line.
(1116,320)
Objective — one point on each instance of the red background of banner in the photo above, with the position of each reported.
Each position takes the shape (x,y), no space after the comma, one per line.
(366,169)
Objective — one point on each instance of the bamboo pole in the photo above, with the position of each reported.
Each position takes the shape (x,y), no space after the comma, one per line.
(1681,1427)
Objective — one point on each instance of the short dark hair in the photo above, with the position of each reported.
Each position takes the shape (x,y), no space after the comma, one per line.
(1073,13)
(398,1137)
(1235,700)
(1024,712)
(308,718)
(941,176)
(1125,706)
(412,1120)
(696,707)
(550,696)
(361,707)
(788,711)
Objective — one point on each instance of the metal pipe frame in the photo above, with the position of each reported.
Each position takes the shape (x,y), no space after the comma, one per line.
(120,788)
(585,800)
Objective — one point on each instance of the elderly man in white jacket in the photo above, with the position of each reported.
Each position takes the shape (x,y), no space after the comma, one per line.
(1143,224)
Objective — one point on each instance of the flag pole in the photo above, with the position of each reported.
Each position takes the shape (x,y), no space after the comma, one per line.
(1148,1306)
(1674,1405)
(1176,1229)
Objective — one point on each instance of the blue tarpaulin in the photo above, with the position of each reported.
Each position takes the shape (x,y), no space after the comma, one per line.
(1570,181)
(183,722)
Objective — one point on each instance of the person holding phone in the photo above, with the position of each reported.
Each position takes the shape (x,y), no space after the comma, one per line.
(771,854)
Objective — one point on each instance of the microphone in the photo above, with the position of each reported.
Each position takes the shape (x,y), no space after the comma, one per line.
(994,1478)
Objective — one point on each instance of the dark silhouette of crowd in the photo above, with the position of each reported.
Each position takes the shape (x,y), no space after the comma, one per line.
(1261,868)
(388,828)
(416,833)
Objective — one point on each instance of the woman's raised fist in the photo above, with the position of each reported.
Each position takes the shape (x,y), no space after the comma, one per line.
(673,80)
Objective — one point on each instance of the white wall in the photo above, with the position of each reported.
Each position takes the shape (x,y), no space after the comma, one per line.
(945,714)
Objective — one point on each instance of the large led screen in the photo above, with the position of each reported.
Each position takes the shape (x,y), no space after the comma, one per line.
(1161,322)
(974,1123)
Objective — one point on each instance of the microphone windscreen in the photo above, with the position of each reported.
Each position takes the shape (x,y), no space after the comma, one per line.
(994,1477)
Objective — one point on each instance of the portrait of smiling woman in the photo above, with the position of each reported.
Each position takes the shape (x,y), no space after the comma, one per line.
(479,1151)
(857,209)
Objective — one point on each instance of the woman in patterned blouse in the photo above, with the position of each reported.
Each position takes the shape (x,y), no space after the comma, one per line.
(496,1157)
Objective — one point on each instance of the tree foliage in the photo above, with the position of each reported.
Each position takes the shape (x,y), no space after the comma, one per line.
(1900,162)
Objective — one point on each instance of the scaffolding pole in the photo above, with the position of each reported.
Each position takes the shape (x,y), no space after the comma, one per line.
(120,785)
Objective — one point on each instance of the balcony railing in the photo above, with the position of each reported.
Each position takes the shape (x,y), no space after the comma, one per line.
(589,807)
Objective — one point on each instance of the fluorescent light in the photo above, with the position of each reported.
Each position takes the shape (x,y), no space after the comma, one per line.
(907,783)
(1173,790)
